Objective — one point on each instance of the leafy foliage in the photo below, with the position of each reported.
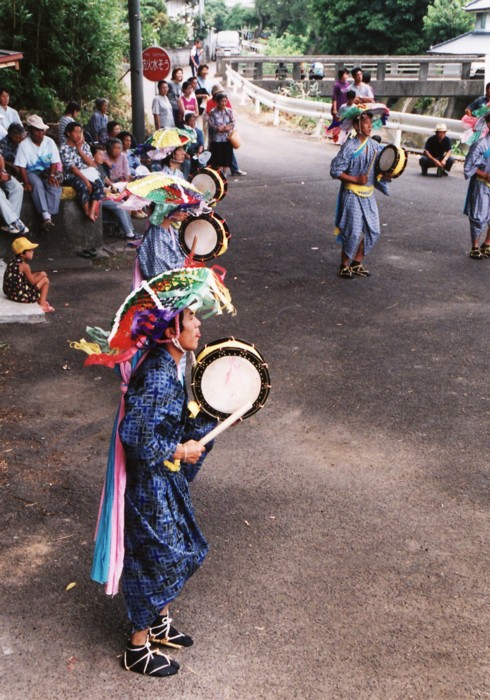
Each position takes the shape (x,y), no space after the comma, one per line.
(287,45)
(370,26)
(446,19)
(158,28)
(72,50)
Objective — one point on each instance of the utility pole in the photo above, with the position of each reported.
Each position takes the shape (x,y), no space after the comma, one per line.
(136,68)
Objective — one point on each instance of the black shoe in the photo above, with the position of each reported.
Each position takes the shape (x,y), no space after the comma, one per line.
(161,632)
(424,171)
(148,661)
(358,269)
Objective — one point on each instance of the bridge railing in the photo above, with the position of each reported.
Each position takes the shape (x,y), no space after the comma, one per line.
(398,122)
(382,68)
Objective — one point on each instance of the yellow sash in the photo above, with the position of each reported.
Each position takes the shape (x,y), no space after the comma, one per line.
(480,179)
(360,190)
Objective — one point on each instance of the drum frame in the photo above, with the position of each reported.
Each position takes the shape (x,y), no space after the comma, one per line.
(218,348)
(392,172)
(217,177)
(221,245)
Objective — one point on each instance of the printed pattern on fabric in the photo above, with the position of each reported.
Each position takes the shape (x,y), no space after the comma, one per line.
(477,205)
(160,251)
(357,217)
(163,542)
(16,286)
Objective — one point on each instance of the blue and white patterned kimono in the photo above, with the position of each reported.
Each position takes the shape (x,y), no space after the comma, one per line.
(357,217)
(160,251)
(477,205)
(162,540)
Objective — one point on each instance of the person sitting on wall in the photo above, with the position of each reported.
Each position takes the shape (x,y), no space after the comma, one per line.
(38,159)
(437,152)
(10,115)
(8,148)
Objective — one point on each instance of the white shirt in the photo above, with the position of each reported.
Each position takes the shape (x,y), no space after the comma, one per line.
(10,116)
(161,106)
(34,157)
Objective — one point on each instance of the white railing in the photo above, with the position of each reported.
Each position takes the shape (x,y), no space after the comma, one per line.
(321,111)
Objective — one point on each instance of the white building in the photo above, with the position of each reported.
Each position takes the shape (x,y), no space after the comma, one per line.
(475,42)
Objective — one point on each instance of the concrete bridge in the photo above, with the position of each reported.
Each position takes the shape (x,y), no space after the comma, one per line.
(391,76)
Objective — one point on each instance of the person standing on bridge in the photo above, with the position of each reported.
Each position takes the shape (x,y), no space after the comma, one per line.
(477,205)
(357,219)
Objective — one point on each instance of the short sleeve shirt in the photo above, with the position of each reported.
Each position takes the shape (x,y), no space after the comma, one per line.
(33,157)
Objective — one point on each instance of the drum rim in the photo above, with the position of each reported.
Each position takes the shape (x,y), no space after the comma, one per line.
(230,339)
(218,178)
(215,353)
(220,244)
(401,154)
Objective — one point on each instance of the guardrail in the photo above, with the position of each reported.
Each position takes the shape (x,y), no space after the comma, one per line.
(321,111)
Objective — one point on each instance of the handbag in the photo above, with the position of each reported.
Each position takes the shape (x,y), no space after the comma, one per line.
(234,139)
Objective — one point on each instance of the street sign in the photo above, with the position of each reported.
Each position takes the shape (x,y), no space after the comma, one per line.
(156,64)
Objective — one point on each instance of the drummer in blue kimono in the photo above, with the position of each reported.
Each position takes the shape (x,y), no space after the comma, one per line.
(357,219)
(477,205)
(164,545)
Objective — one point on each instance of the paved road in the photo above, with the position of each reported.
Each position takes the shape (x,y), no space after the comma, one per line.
(348,520)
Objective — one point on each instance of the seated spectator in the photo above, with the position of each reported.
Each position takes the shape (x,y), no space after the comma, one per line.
(97,126)
(11,196)
(364,93)
(20,283)
(188,101)
(113,129)
(161,107)
(128,144)
(479,102)
(9,146)
(195,147)
(11,116)
(80,171)
(72,110)
(437,152)
(116,161)
(38,159)
(109,205)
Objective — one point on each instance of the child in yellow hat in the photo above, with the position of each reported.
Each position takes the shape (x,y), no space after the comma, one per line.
(20,283)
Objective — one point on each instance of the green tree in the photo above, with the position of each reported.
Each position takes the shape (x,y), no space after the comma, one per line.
(446,19)
(370,26)
(293,16)
(157,28)
(72,50)
(240,16)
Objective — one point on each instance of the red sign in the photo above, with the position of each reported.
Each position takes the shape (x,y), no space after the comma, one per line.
(156,64)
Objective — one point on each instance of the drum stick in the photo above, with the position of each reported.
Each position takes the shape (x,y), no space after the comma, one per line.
(193,248)
(226,423)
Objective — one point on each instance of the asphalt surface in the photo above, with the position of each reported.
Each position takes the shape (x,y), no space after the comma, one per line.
(348,520)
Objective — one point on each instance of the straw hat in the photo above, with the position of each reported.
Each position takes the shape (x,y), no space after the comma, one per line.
(441,127)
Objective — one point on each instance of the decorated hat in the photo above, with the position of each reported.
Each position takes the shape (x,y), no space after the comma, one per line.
(167,192)
(164,141)
(146,313)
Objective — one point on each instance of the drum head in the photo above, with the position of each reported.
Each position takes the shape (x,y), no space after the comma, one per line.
(229,373)
(211,183)
(210,235)
(387,158)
